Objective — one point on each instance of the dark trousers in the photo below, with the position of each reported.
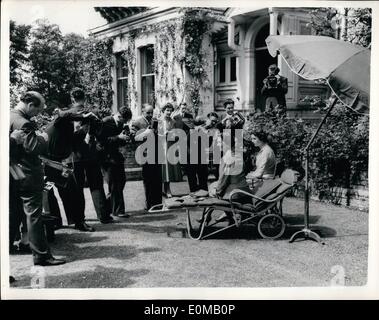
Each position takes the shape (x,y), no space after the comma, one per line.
(69,192)
(73,203)
(115,176)
(197,175)
(16,211)
(90,171)
(152,182)
(32,207)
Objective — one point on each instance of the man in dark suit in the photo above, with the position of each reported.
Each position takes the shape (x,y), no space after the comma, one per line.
(151,173)
(86,162)
(60,147)
(274,89)
(201,170)
(31,186)
(186,120)
(111,137)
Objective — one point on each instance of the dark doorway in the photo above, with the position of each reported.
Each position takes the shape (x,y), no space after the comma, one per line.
(262,61)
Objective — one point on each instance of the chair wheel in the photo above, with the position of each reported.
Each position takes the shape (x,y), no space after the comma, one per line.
(271,226)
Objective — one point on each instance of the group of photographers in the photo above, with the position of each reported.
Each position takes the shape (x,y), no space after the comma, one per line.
(78,148)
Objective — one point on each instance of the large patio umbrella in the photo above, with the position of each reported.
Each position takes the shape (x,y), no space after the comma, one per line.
(346,69)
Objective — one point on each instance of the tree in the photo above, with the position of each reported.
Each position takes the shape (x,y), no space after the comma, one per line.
(48,62)
(350,24)
(18,58)
(18,51)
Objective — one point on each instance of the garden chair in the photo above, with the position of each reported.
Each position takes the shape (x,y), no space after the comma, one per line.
(264,210)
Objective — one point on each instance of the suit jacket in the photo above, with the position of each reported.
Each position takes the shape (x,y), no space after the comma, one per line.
(109,142)
(28,153)
(139,125)
(61,134)
(279,92)
(84,151)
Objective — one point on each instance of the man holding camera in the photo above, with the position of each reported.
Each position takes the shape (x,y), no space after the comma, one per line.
(114,133)
(274,89)
(142,127)
(30,144)
(60,147)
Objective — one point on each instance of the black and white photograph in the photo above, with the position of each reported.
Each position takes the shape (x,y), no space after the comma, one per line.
(189,149)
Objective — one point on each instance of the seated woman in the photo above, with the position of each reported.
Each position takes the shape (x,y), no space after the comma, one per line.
(231,173)
(265,160)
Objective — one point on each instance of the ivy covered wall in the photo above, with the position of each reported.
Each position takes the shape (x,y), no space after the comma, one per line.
(183,61)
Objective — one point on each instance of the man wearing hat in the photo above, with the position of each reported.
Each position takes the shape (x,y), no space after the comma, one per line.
(274,89)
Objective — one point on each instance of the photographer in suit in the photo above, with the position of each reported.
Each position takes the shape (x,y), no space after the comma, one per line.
(274,89)
(60,147)
(141,128)
(30,146)
(114,133)
(230,116)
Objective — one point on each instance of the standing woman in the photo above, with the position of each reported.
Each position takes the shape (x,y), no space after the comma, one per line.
(170,172)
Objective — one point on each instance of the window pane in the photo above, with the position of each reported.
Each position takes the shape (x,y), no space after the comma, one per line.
(122,67)
(222,70)
(148,90)
(122,93)
(233,68)
(147,56)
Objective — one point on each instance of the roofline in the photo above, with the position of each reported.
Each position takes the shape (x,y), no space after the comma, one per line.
(139,17)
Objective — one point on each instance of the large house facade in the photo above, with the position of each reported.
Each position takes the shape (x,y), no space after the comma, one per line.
(202,56)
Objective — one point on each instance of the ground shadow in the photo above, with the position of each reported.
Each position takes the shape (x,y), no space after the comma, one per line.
(250,232)
(150,218)
(298,219)
(100,277)
(149,228)
(69,246)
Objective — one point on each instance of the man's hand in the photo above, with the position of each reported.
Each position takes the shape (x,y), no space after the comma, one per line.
(43,135)
(18,135)
(124,137)
(90,115)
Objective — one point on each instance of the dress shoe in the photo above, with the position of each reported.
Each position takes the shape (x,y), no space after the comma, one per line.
(107,220)
(84,227)
(125,215)
(49,262)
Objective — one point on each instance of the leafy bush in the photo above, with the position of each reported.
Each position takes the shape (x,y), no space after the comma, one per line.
(338,155)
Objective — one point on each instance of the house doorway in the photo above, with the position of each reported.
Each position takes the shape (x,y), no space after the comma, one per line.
(262,61)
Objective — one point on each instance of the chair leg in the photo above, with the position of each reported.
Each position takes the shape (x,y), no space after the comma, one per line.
(203,223)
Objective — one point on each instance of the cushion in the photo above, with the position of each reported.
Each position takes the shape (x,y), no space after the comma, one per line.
(199,194)
(266,187)
(172,203)
(283,188)
(289,176)
(214,202)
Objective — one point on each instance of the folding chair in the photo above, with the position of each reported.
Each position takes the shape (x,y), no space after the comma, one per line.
(264,210)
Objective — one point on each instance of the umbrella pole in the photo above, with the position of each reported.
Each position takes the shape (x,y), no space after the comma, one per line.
(306,233)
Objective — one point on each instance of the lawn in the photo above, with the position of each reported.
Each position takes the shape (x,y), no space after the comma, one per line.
(137,252)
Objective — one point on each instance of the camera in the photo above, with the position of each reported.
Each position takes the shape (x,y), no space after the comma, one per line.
(126,129)
(272,81)
(154,124)
(238,120)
